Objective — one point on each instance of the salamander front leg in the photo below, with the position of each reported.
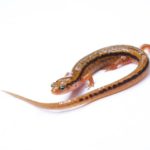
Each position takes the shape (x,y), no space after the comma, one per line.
(88,77)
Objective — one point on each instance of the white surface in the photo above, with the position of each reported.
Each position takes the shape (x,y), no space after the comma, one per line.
(39,42)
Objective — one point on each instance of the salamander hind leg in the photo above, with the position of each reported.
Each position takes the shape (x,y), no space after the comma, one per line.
(122,61)
(145,47)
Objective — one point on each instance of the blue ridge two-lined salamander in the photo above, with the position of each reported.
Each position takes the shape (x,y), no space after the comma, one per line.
(107,58)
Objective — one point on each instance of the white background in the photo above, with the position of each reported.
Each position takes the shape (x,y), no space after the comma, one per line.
(40,40)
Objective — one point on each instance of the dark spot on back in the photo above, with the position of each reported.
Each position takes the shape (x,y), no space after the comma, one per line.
(110,87)
(91,95)
(101,91)
(86,97)
(81,99)
(95,94)
(115,85)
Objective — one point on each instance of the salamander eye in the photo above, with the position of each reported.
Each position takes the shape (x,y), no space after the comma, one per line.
(62,87)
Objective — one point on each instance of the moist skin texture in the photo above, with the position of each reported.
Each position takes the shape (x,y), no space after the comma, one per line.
(108,58)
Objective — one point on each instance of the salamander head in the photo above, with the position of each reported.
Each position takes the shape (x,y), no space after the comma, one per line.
(65,85)
(61,86)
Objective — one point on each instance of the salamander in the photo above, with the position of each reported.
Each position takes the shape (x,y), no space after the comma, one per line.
(108,58)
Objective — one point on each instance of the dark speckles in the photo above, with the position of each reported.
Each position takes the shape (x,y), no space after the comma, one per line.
(120,83)
(91,95)
(110,87)
(86,97)
(81,99)
(136,75)
(102,91)
(115,85)
(103,55)
(95,94)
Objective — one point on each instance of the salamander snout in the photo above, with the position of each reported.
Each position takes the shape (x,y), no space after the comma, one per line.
(60,86)
(59,90)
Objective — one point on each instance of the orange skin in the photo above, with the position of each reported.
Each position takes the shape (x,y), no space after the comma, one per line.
(60,86)
(108,58)
(145,46)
